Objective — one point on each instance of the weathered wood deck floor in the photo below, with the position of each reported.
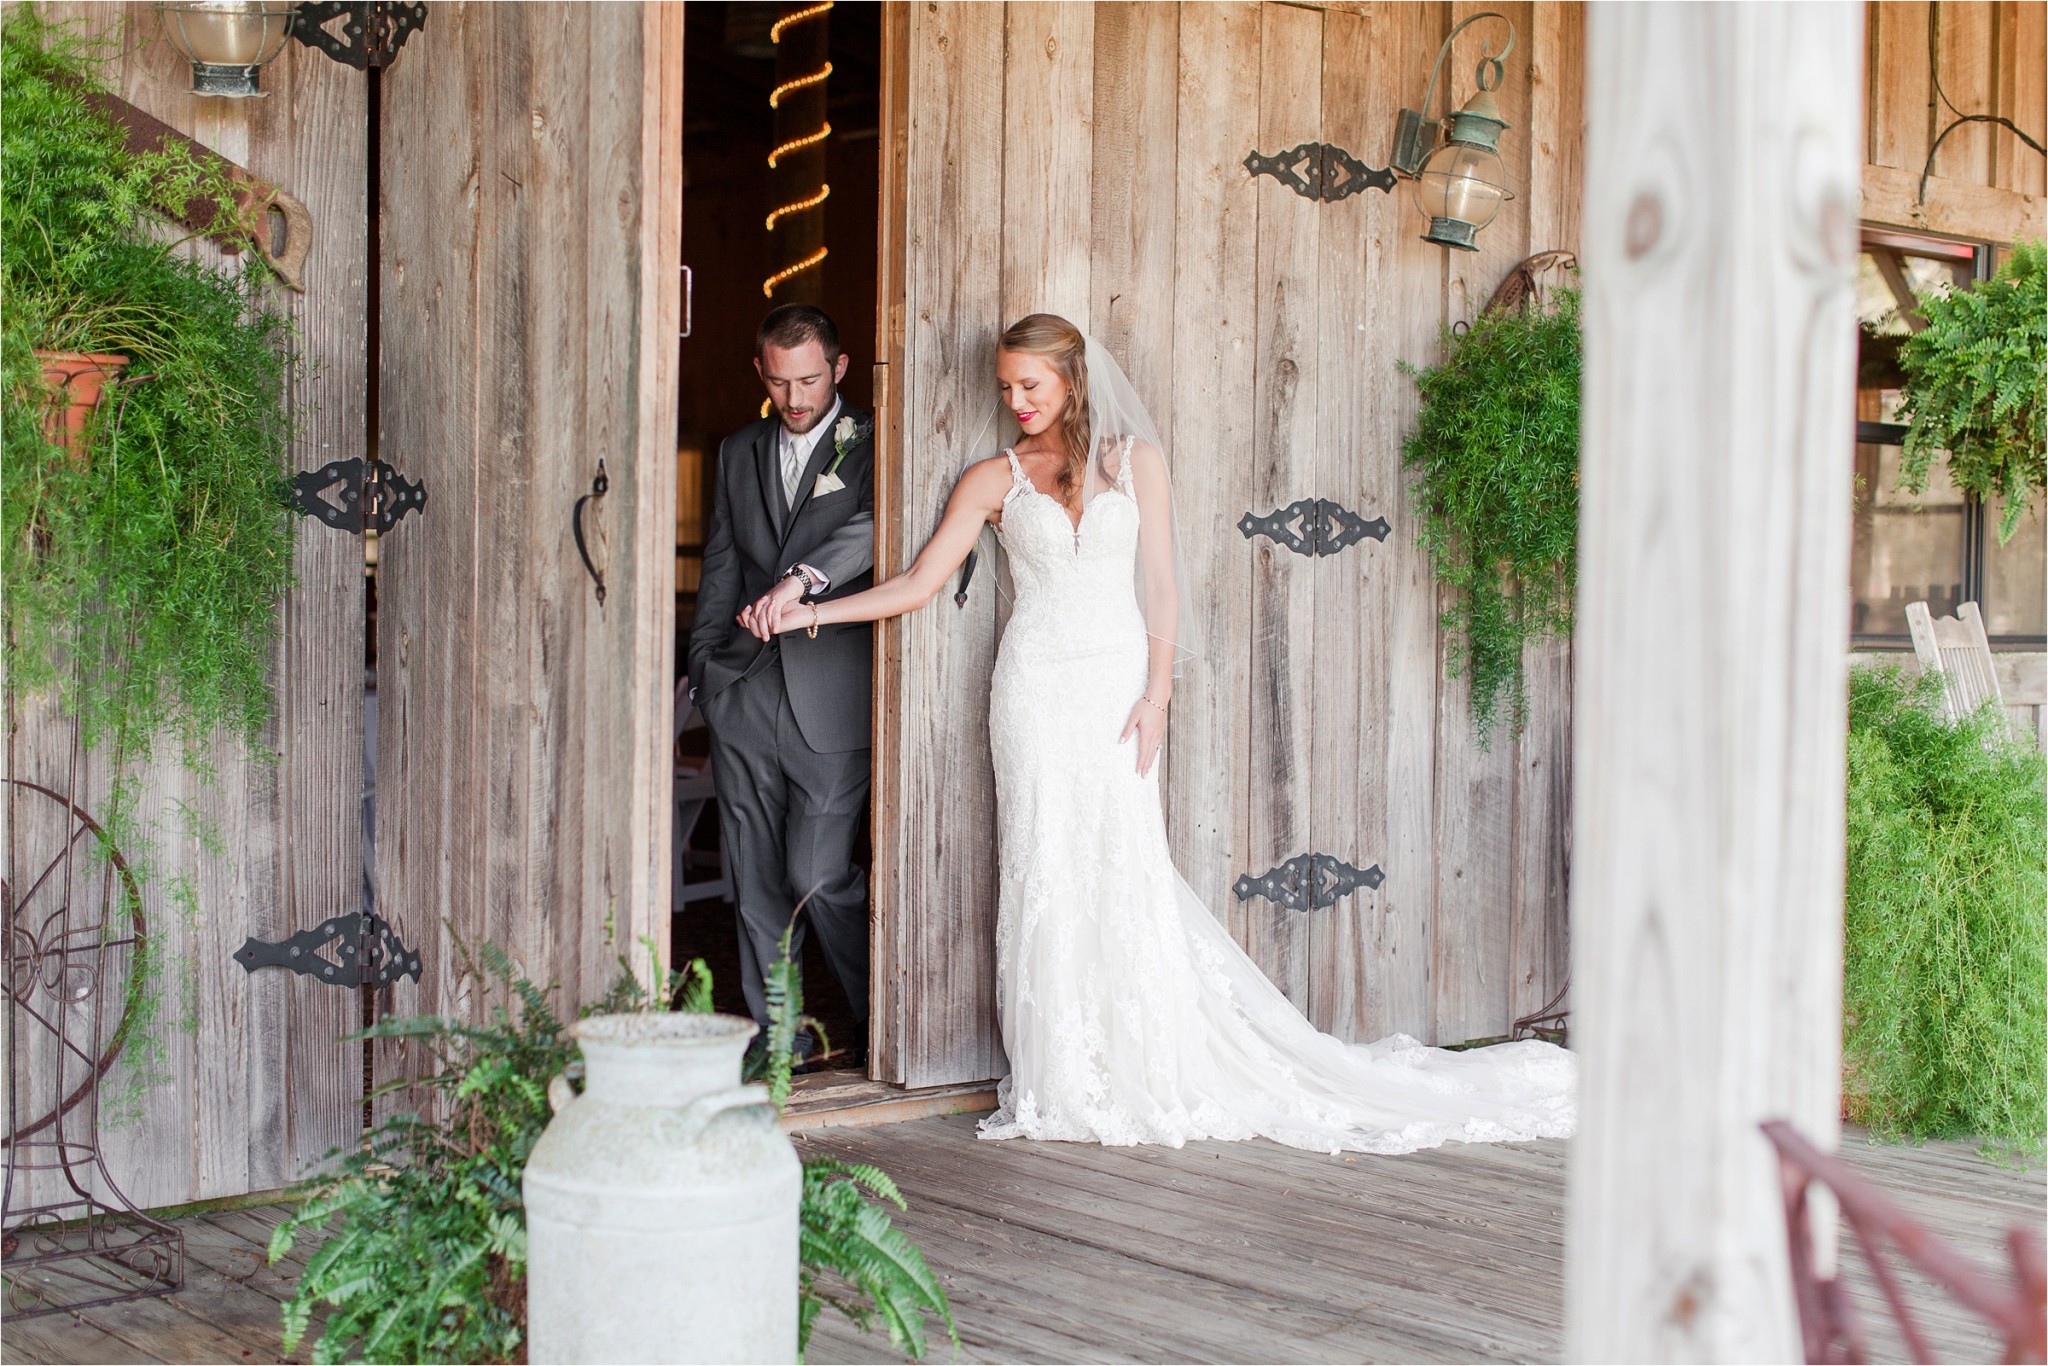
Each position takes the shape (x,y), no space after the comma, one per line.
(1217,1252)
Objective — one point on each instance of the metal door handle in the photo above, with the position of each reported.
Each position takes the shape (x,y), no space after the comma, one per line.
(597,490)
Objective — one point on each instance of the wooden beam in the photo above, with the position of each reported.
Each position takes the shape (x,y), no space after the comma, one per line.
(1891,197)
(1722,158)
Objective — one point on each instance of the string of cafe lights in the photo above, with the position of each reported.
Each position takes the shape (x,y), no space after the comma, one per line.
(824,130)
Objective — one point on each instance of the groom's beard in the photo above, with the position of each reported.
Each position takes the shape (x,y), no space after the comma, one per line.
(812,417)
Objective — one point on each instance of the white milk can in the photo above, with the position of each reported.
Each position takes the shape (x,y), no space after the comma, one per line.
(661,1204)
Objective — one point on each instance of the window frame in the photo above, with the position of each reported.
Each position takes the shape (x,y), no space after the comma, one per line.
(1983,259)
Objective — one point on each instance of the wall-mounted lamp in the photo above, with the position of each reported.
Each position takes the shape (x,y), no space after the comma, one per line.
(1460,184)
(229,42)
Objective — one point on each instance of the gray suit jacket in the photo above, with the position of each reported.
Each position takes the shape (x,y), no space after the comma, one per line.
(753,538)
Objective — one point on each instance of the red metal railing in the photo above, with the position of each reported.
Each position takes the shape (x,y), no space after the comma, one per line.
(1828,1322)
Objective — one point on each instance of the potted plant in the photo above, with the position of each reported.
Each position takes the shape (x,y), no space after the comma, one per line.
(1974,378)
(1495,455)
(148,597)
(76,381)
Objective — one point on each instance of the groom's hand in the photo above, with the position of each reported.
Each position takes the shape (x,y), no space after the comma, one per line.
(764,617)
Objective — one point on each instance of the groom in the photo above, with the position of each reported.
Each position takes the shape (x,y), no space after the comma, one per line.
(792,521)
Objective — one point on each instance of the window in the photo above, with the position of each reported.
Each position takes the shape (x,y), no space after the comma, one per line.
(1937,546)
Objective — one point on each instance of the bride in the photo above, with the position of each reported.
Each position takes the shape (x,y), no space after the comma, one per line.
(1128,1012)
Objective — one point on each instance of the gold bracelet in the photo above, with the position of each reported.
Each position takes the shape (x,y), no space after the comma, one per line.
(1147,699)
(813,632)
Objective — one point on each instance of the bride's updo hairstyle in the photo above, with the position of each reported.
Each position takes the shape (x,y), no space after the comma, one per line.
(1061,343)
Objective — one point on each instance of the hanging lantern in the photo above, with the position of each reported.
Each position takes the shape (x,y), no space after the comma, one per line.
(1461,184)
(228,42)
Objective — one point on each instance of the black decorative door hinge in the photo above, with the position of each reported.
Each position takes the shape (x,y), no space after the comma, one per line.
(1324,527)
(1308,882)
(1317,170)
(371,31)
(368,952)
(368,497)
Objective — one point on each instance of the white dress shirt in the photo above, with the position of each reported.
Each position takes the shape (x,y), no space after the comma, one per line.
(794,451)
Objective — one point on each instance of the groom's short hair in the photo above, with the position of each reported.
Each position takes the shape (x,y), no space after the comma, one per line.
(791,325)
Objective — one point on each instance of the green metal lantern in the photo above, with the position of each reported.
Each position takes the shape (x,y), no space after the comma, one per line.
(1460,184)
(228,42)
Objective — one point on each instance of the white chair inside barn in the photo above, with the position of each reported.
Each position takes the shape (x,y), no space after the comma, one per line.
(694,793)
(1959,649)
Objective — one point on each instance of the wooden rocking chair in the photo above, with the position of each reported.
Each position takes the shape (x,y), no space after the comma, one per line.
(1958,648)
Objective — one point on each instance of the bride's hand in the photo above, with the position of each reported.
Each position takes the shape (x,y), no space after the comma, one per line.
(1148,723)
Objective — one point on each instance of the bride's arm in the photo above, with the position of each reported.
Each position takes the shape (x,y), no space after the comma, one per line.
(1155,552)
(977,499)
(1162,600)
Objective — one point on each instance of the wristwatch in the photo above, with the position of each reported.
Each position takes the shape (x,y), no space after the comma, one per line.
(802,576)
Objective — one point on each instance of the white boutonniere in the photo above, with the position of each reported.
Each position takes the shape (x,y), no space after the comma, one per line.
(846,434)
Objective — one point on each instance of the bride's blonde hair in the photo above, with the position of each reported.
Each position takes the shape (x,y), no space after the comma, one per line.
(1061,343)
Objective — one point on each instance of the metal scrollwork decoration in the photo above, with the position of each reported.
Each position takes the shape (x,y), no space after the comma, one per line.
(1320,171)
(1314,526)
(372,32)
(77,985)
(368,495)
(1308,882)
(367,952)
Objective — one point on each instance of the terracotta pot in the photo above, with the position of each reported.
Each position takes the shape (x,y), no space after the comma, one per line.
(78,381)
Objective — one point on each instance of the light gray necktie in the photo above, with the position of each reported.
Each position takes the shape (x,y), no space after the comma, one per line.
(792,468)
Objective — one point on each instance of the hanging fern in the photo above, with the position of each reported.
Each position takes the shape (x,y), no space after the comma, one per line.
(144,575)
(1974,384)
(1495,453)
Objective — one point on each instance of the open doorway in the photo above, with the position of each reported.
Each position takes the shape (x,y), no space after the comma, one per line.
(732,69)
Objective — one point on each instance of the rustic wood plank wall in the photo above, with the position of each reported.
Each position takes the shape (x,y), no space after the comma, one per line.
(1087,160)
(1990,58)
(531,224)
(256,1086)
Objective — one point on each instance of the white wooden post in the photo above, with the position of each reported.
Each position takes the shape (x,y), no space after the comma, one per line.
(1722,163)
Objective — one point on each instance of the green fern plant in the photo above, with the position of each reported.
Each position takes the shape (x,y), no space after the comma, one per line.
(1974,387)
(424,1257)
(143,579)
(424,1251)
(1495,456)
(846,1237)
(851,1256)
(1945,947)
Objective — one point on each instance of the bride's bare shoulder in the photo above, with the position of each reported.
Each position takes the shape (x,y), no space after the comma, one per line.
(985,482)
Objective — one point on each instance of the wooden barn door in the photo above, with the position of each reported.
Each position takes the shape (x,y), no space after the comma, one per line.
(249,1086)
(1328,797)
(530,238)
(1089,160)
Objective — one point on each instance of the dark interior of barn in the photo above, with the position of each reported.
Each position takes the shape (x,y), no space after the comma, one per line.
(733,68)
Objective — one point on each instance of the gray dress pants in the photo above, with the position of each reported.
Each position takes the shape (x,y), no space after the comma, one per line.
(792,817)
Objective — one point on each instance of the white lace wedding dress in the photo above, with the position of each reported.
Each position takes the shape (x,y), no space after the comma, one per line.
(1129,1013)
